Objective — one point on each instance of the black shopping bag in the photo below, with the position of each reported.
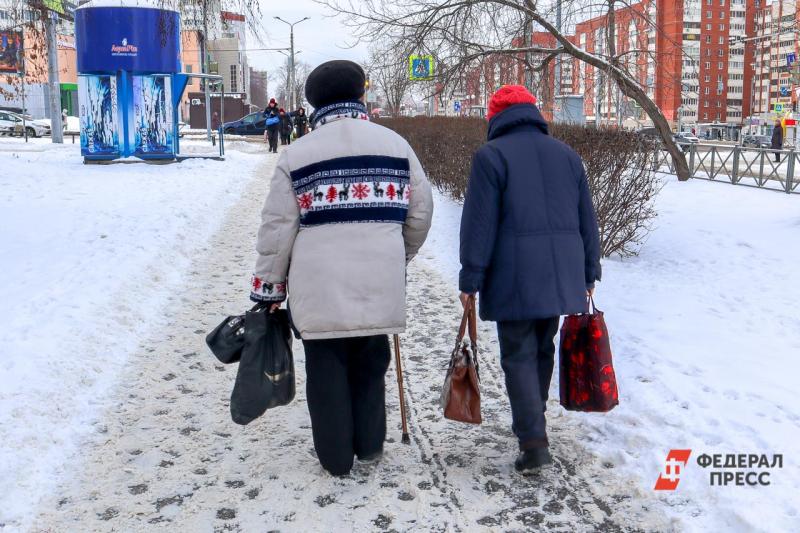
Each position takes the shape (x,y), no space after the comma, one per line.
(266,370)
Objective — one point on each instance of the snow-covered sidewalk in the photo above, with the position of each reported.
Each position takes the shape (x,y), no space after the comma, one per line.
(168,455)
(705,330)
(91,253)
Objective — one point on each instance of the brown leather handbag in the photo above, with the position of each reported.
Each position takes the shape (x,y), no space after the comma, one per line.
(461,394)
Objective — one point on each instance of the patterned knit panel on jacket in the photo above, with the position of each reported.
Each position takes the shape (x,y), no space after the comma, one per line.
(367,188)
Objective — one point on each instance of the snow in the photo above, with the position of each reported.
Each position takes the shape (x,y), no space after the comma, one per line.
(89,253)
(704,325)
(703,322)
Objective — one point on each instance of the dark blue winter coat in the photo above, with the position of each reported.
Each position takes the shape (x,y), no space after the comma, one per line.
(529,239)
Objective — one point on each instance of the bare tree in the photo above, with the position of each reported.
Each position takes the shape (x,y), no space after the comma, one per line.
(387,70)
(461,33)
(281,79)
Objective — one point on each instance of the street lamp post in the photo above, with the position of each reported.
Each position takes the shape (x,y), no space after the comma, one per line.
(291,58)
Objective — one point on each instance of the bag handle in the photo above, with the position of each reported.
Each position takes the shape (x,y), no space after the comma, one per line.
(469,320)
(591,308)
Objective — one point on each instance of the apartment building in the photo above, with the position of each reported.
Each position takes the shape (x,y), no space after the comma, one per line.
(775,50)
(680,53)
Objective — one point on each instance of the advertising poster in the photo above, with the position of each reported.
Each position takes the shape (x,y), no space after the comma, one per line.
(97,96)
(10,50)
(152,116)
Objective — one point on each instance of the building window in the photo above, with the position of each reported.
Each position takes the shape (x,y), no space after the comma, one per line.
(718,116)
(721,39)
(722,27)
(720,65)
(722,15)
(187,69)
(722,2)
(707,78)
(705,90)
(721,52)
(708,14)
(708,27)
(705,116)
(234,79)
(705,103)
(708,65)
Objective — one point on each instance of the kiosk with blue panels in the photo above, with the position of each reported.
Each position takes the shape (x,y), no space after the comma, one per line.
(129,80)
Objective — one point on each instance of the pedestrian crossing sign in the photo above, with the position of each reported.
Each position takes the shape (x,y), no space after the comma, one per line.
(420,67)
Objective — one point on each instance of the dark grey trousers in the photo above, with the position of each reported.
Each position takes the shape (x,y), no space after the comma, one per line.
(527,352)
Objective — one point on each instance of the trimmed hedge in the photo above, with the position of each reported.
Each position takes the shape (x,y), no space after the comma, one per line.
(618,166)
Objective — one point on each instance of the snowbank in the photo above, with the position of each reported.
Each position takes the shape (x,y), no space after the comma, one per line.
(89,253)
(704,327)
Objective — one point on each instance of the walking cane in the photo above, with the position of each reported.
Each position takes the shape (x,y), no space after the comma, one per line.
(399,367)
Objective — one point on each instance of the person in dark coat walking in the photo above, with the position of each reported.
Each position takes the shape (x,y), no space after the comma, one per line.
(286,127)
(530,246)
(273,124)
(776,142)
(300,122)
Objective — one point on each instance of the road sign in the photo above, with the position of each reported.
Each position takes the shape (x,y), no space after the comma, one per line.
(420,67)
(791,57)
(457,106)
(778,108)
(784,90)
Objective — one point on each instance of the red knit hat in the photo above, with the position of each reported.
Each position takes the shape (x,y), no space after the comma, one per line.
(509,95)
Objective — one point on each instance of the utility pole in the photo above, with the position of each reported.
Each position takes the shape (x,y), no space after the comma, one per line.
(291,73)
(557,66)
(56,127)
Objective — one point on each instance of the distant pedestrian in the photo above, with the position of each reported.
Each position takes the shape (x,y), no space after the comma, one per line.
(777,139)
(272,124)
(64,121)
(286,127)
(215,122)
(346,211)
(530,246)
(300,122)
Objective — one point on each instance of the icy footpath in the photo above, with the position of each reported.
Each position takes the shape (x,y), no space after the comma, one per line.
(168,455)
(90,255)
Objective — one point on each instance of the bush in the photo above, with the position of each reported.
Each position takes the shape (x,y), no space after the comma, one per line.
(618,166)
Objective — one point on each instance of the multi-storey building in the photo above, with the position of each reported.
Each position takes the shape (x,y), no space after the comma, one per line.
(774,45)
(681,55)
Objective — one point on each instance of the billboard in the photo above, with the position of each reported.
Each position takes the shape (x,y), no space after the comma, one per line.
(139,40)
(153,128)
(100,131)
(10,51)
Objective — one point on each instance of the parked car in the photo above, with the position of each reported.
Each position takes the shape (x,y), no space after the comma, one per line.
(11,124)
(252,124)
(685,137)
(757,141)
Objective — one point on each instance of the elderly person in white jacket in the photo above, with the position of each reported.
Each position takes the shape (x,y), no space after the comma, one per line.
(348,208)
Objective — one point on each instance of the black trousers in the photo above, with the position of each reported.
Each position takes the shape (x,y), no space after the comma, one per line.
(272,137)
(286,137)
(346,398)
(527,353)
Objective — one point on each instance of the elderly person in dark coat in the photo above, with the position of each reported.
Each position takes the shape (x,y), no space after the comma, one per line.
(530,246)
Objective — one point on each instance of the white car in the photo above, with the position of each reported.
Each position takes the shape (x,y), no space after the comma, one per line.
(11,124)
(685,137)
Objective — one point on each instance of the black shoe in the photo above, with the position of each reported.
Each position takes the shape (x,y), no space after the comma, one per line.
(532,459)
(371,457)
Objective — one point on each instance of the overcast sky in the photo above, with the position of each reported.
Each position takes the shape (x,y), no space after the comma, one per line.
(322,38)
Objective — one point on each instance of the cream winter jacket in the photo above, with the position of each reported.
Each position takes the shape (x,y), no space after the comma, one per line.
(348,208)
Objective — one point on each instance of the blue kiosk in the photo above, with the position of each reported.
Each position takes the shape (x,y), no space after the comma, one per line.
(129,79)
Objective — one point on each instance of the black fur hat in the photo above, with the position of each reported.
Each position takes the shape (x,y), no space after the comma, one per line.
(335,81)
